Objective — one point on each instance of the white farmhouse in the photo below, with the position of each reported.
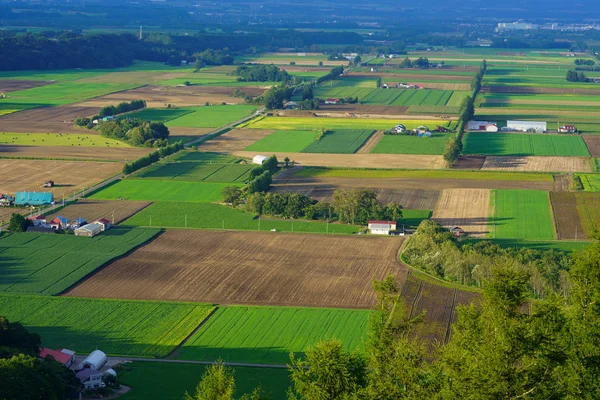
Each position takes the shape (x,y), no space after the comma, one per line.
(381,227)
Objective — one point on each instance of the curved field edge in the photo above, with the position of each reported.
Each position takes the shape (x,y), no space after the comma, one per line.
(117,327)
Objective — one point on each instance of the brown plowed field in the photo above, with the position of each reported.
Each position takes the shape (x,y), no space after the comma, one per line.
(566,217)
(68,176)
(537,164)
(13,85)
(405,161)
(235,140)
(251,268)
(588,206)
(92,210)
(67,152)
(370,143)
(301,183)
(593,144)
(48,119)
(467,208)
(469,162)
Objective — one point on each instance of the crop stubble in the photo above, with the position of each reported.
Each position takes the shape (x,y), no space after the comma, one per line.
(251,268)
(539,164)
(235,140)
(566,217)
(92,210)
(466,208)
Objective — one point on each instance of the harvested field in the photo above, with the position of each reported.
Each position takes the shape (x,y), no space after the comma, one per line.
(588,206)
(566,217)
(469,162)
(13,85)
(593,144)
(83,153)
(467,208)
(291,270)
(413,161)
(57,119)
(370,143)
(235,140)
(92,210)
(539,164)
(68,176)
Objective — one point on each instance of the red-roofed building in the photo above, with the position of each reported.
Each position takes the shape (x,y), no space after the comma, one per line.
(37,220)
(105,223)
(332,101)
(382,227)
(65,357)
(567,129)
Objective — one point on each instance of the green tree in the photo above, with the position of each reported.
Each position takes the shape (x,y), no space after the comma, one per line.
(327,373)
(217,383)
(286,162)
(15,339)
(393,211)
(17,223)
(232,195)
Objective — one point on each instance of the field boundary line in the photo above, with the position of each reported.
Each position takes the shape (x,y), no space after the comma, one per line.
(416,299)
(452,310)
(192,333)
(106,264)
(224,129)
(554,223)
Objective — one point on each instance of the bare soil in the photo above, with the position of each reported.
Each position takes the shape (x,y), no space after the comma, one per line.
(466,208)
(593,144)
(13,85)
(66,152)
(92,210)
(48,120)
(566,218)
(537,164)
(68,176)
(360,160)
(235,140)
(370,143)
(251,268)
(469,162)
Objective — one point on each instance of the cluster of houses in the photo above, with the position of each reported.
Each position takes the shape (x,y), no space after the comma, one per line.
(421,131)
(518,126)
(88,372)
(79,226)
(27,199)
(401,86)
(391,228)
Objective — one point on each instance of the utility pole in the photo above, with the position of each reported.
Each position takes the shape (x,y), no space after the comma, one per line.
(113,217)
(186,220)
(140,32)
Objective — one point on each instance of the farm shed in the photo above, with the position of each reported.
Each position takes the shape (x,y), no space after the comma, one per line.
(95,360)
(258,159)
(491,128)
(78,223)
(105,224)
(59,222)
(90,378)
(290,105)
(567,129)
(381,227)
(65,357)
(89,230)
(5,200)
(332,101)
(457,231)
(526,126)
(478,125)
(49,184)
(34,198)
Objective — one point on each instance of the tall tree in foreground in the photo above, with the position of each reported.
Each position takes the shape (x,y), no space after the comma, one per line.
(217,383)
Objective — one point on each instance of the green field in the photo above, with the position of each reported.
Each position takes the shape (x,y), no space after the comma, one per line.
(162,190)
(169,381)
(196,172)
(117,327)
(306,124)
(408,144)
(588,208)
(519,144)
(211,116)
(270,334)
(521,214)
(341,141)
(49,264)
(159,114)
(591,182)
(412,218)
(422,174)
(215,216)
(284,141)
(64,139)
(204,157)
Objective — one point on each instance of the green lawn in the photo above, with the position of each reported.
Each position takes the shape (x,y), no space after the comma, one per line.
(341,141)
(412,218)
(64,139)
(215,216)
(117,327)
(162,190)
(405,144)
(431,174)
(159,114)
(521,214)
(169,381)
(591,182)
(212,116)
(269,334)
(284,141)
(205,157)
(518,144)
(196,172)
(49,264)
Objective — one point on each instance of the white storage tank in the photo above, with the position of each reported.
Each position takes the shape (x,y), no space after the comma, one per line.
(258,159)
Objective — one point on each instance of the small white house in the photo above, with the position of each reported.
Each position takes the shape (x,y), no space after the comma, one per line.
(258,159)
(95,360)
(477,125)
(491,128)
(104,223)
(89,230)
(90,378)
(381,227)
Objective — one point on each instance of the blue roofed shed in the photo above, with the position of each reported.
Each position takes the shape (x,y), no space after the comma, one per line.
(33,198)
